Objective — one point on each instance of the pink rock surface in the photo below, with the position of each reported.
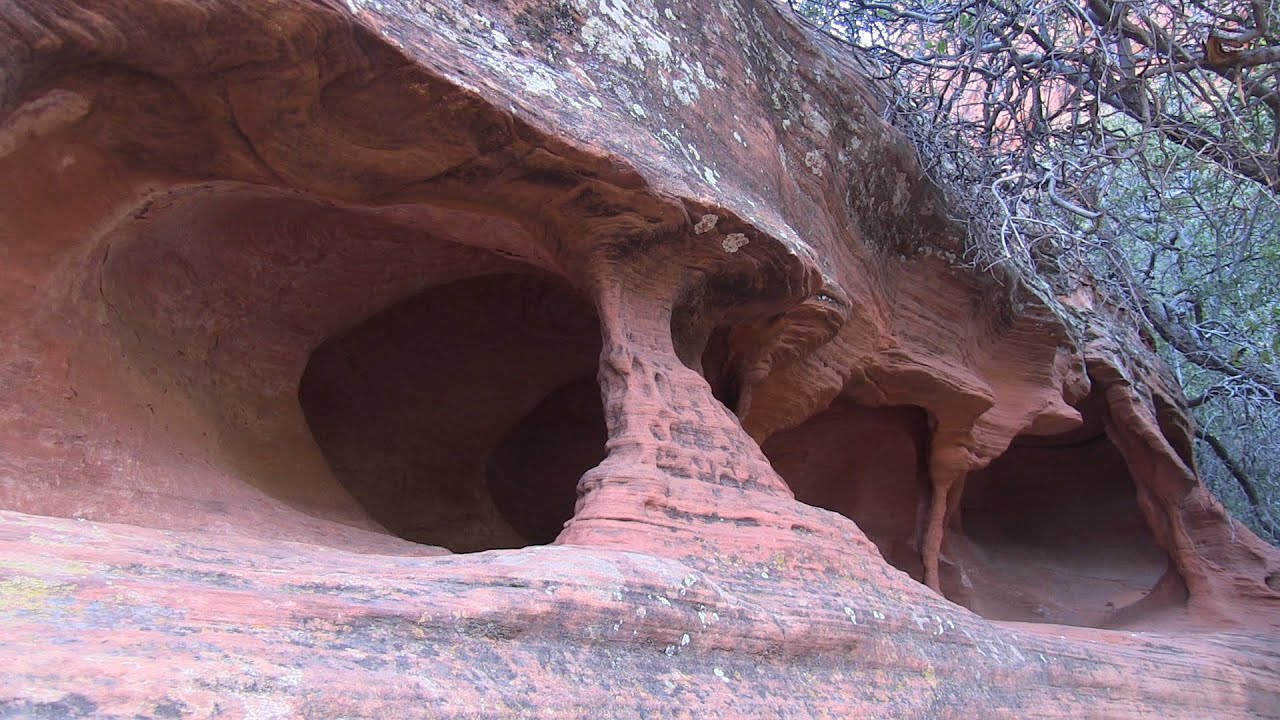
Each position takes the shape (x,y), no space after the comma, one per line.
(397,359)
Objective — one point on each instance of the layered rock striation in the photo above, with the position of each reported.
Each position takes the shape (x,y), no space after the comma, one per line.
(390,358)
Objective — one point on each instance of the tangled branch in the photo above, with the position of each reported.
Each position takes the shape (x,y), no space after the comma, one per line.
(1139,142)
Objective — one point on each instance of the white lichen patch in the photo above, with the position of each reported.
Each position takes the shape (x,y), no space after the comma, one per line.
(733,242)
(658,47)
(539,83)
(813,161)
(637,110)
(700,74)
(710,176)
(623,34)
(815,120)
(738,138)
(356,6)
(706,224)
(602,41)
(686,92)
(616,47)
(629,33)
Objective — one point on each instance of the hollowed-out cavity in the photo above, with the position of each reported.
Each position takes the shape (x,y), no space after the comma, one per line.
(1051,531)
(719,370)
(867,464)
(464,416)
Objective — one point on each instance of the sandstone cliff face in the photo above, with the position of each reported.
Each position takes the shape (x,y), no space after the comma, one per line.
(304,305)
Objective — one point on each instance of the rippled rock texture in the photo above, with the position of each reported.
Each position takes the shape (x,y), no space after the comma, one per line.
(398,359)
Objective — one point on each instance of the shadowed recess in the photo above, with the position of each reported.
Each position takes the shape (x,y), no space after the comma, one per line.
(865,463)
(464,416)
(1051,531)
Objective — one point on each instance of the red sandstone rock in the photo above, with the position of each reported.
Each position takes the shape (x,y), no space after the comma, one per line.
(285,286)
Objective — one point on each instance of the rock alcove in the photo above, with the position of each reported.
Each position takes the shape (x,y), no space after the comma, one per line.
(451,394)
(1051,531)
(867,464)
(463,416)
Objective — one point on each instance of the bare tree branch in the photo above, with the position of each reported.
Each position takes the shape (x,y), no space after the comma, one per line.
(1246,485)
(1104,136)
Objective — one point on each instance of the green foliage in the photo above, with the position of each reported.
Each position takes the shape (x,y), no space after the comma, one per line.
(1100,137)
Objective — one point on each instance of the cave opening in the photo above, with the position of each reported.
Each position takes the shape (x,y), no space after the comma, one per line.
(866,463)
(718,368)
(1051,531)
(463,417)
